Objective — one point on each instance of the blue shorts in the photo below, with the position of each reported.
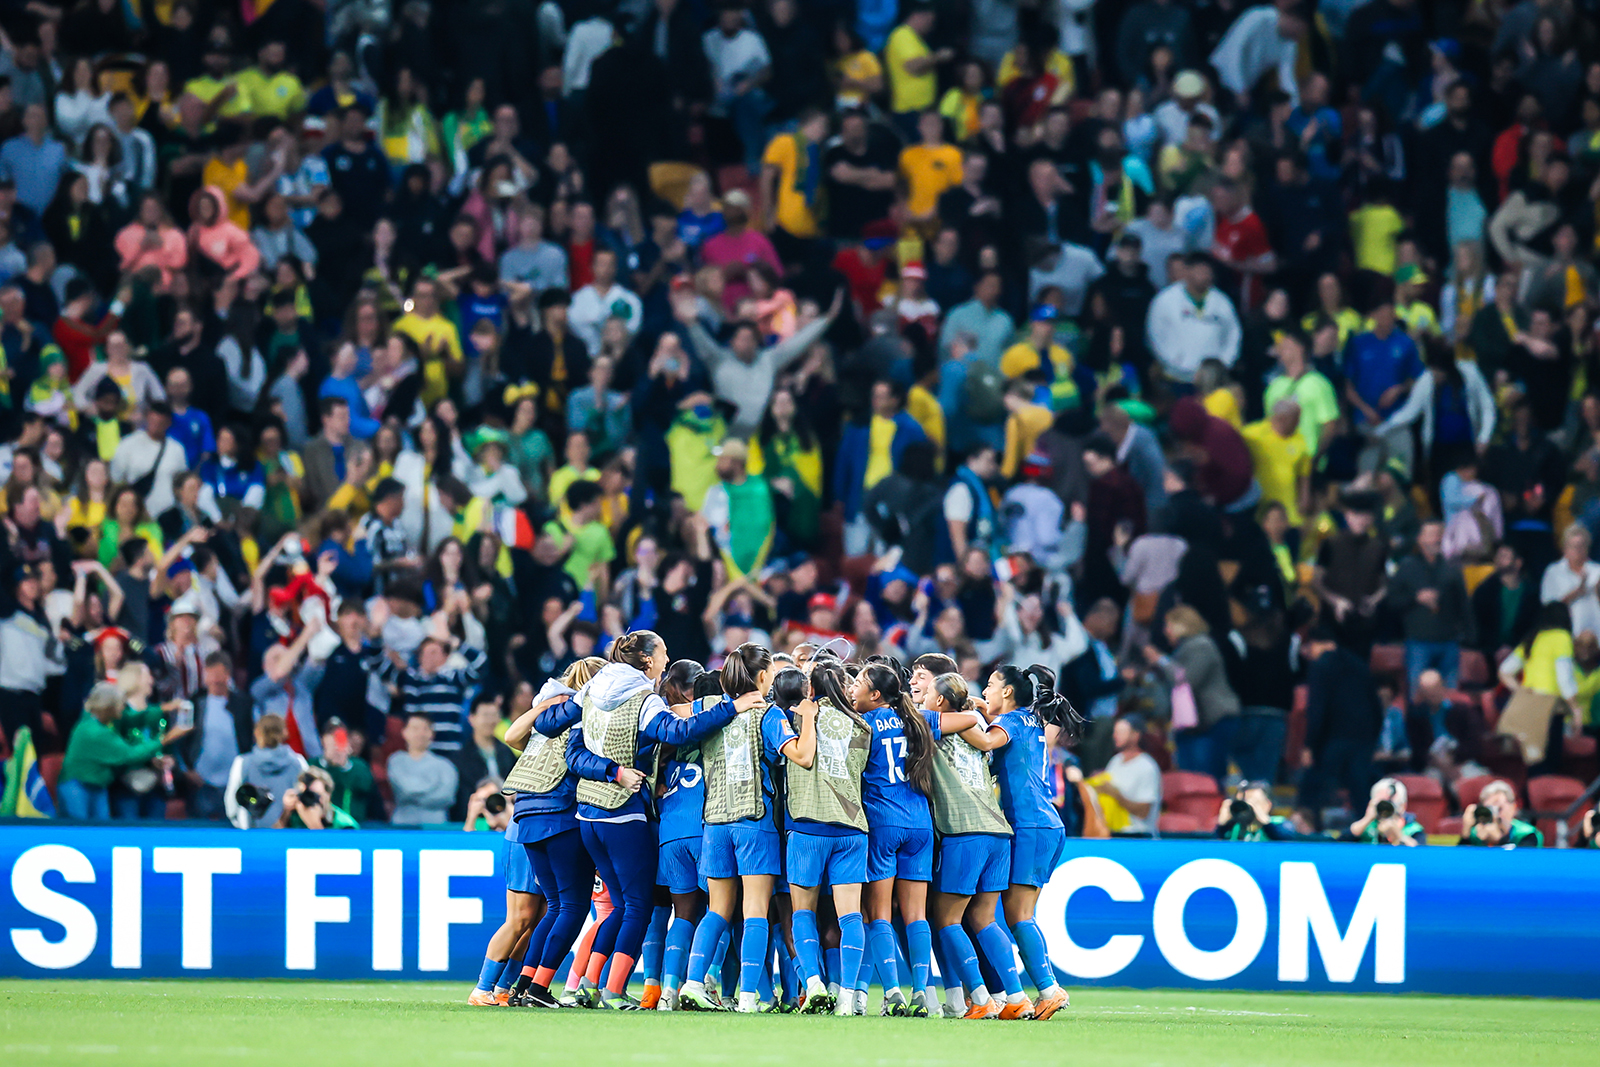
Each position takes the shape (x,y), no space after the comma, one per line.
(900,852)
(1034,852)
(973,863)
(678,865)
(519,872)
(816,860)
(729,850)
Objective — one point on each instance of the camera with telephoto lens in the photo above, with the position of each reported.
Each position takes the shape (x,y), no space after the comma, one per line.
(494,803)
(1241,813)
(253,799)
(1483,815)
(1384,809)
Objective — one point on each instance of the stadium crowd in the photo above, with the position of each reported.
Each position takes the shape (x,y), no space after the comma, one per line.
(366,365)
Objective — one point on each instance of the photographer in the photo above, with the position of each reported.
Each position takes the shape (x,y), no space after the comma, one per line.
(487,808)
(1247,816)
(1493,821)
(1387,822)
(309,805)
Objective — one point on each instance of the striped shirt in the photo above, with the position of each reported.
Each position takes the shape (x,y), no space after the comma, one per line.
(442,697)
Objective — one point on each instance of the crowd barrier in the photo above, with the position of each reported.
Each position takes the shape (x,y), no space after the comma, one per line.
(97,902)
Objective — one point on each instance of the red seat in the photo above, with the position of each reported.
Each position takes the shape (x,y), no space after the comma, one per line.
(177,809)
(1491,708)
(1388,659)
(1451,825)
(1580,757)
(1190,793)
(1467,789)
(1426,799)
(1502,754)
(50,771)
(1474,670)
(1178,822)
(1550,795)
(1294,736)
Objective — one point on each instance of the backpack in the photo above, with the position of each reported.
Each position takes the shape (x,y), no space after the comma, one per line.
(985,394)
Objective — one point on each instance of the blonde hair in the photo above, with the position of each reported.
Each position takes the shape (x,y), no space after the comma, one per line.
(1187,621)
(129,677)
(104,701)
(577,676)
(270,731)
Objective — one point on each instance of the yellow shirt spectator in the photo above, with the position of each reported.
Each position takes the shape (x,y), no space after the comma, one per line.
(433,335)
(929,169)
(1282,465)
(1373,229)
(787,153)
(1023,427)
(860,66)
(961,109)
(278,95)
(1224,405)
(228,177)
(207,89)
(923,406)
(907,91)
(1023,358)
(880,451)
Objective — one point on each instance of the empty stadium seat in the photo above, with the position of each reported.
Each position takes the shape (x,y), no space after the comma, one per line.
(1388,659)
(1426,799)
(1549,795)
(1580,758)
(1451,825)
(1190,793)
(1503,756)
(1178,822)
(1474,671)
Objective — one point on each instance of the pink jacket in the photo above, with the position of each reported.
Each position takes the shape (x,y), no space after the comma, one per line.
(172,254)
(222,242)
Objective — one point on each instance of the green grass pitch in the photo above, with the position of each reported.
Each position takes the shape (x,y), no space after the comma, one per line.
(319,1024)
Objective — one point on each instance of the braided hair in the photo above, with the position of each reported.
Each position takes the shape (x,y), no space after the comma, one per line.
(1035,687)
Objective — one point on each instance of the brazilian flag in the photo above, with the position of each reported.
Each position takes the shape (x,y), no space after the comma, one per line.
(26,795)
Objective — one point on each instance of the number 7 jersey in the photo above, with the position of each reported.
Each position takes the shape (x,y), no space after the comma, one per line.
(1022,769)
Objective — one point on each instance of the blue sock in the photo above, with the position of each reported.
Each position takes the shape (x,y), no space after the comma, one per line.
(655,943)
(1035,957)
(961,956)
(830,960)
(680,935)
(997,947)
(721,957)
(488,973)
(919,944)
(806,943)
(787,972)
(949,977)
(752,954)
(880,932)
(852,945)
(732,945)
(707,936)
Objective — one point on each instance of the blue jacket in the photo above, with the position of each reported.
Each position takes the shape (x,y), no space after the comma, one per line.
(362,425)
(353,574)
(854,447)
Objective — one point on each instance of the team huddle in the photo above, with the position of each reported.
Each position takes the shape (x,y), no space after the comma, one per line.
(780,815)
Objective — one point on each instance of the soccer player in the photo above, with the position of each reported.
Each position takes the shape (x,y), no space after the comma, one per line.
(614,750)
(545,826)
(1020,702)
(682,808)
(741,844)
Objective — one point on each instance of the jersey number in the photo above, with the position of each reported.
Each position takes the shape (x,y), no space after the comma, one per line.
(894,751)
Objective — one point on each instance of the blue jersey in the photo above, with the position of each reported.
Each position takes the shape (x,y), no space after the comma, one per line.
(683,804)
(1022,768)
(886,791)
(776,732)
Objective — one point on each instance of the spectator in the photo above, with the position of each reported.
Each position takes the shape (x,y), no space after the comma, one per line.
(34,160)
(1503,605)
(1282,459)
(1223,465)
(913,67)
(1190,322)
(286,689)
(423,781)
(350,784)
(1428,593)
(1574,580)
(484,757)
(1343,719)
(224,720)
(98,753)
(30,653)
(437,690)
(1132,778)
(1197,662)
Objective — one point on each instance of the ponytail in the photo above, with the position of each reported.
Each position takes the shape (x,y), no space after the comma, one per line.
(577,676)
(742,667)
(789,688)
(635,649)
(828,683)
(1050,706)
(678,684)
(883,678)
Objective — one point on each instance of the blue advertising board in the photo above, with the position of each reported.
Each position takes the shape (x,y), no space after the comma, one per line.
(187,902)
